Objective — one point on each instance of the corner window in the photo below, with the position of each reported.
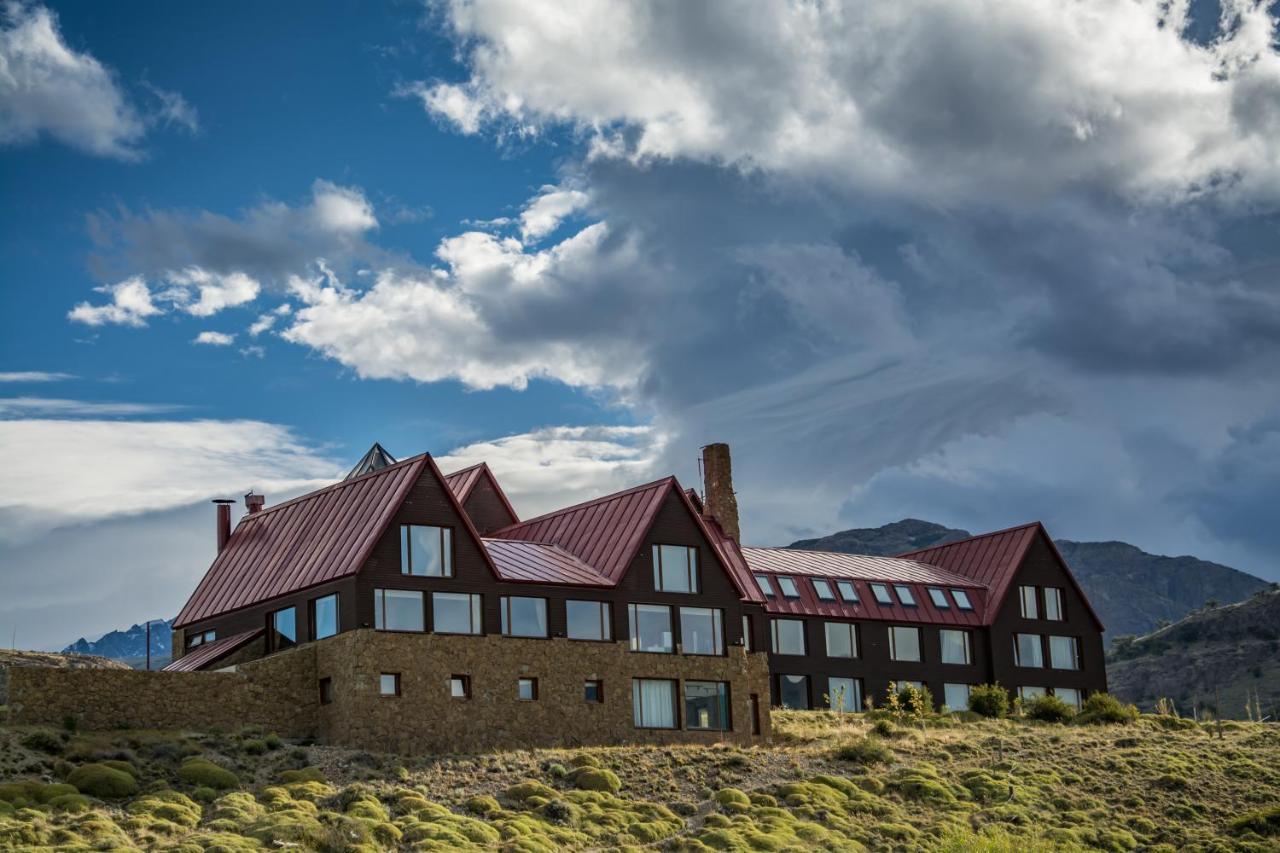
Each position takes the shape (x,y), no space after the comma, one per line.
(326,691)
(460,686)
(844,694)
(962,599)
(651,628)
(765,586)
(523,616)
(588,620)
(455,613)
(842,639)
(1027,595)
(701,631)
(939,598)
(1053,603)
(822,589)
(1064,653)
(904,643)
(675,568)
(593,690)
(389,684)
(955,646)
(905,595)
(324,617)
(706,706)
(527,689)
(284,628)
(956,696)
(653,703)
(793,692)
(881,592)
(788,637)
(1070,695)
(847,591)
(426,551)
(1027,650)
(788,587)
(397,610)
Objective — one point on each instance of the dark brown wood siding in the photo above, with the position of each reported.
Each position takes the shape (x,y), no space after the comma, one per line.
(486,510)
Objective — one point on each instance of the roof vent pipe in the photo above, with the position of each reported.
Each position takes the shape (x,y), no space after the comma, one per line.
(254,502)
(721,502)
(223,522)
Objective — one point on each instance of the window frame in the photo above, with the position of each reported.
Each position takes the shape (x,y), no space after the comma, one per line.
(968,647)
(693,569)
(938,596)
(717,628)
(532,682)
(808,693)
(785,581)
(1032,611)
(1017,651)
(598,684)
(724,697)
(961,598)
(465,681)
(968,692)
(395,676)
(605,609)
(851,628)
(852,589)
(324,689)
(748,627)
(1077,703)
(819,584)
(633,637)
(906,597)
(273,643)
(312,630)
(1075,653)
(637,706)
(773,634)
(893,644)
(857,693)
(504,612)
(1059,601)
(1022,692)
(475,612)
(446,550)
(380,610)
(766,585)
(880,592)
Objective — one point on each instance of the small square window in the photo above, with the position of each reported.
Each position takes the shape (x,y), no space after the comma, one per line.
(765,586)
(389,684)
(881,592)
(822,589)
(788,587)
(527,689)
(326,691)
(847,591)
(460,686)
(939,598)
(904,595)
(962,599)
(593,690)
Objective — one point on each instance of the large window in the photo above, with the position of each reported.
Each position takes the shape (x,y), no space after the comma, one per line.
(962,599)
(588,620)
(844,694)
(426,551)
(822,589)
(706,705)
(881,592)
(793,692)
(653,703)
(1053,603)
(955,646)
(788,637)
(701,631)
(1070,695)
(765,586)
(284,628)
(905,595)
(651,628)
(848,591)
(939,598)
(523,616)
(455,613)
(324,617)
(1064,653)
(1027,650)
(956,696)
(675,568)
(842,639)
(1031,692)
(1030,605)
(904,643)
(397,610)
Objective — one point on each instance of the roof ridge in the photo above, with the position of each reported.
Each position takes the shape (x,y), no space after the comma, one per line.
(334,487)
(670,478)
(1000,532)
(479,464)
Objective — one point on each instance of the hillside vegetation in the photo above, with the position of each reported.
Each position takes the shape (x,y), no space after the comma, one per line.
(835,782)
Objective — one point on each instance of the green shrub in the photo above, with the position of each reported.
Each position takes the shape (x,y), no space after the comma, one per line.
(733,800)
(884,728)
(989,700)
(205,774)
(254,747)
(273,741)
(1049,709)
(103,782)
(865,751)
(74,803)
(1104,708)
(482,805)
(1265,822)
(306,774)
(596,779)
(44,741)
(584,760)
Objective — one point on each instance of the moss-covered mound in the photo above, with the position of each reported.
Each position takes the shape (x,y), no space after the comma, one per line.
(103,782)
(204,773)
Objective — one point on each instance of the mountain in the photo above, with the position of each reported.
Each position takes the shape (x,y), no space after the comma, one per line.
(1134,592)
(1217,657)
(130,646)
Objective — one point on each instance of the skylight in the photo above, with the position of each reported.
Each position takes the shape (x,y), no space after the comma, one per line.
(823,590)
(904,595)
(881,592)
(765,586)
(962,599)
(788,587)
(939,598)
(847,591)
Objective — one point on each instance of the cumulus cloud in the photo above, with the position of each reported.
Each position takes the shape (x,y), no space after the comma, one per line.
(216,339)
(131,304)
(548,209)
(193,291)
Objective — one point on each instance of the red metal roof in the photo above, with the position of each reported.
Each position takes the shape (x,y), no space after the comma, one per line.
(310,540)
(535,562)
(211,652)
(463,481)
(860,566)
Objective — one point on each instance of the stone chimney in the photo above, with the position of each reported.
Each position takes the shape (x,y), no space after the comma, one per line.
(721,502)
(223,523)
(254,502)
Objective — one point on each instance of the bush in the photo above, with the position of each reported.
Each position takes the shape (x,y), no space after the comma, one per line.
(865,751)
(1102,708)
(989,700)
(1049,709)
(43,741)
(103,782)
(733,800)
(1265,822)
(482,805)
(596,779)
(205,774)
(306,774)
(584,760)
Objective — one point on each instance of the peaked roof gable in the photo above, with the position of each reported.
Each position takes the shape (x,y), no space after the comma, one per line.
(464,481)
(375,459)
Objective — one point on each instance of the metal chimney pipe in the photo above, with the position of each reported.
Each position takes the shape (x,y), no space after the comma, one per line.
(223,522)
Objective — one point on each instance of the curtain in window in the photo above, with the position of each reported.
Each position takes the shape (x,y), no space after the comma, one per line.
(654,703)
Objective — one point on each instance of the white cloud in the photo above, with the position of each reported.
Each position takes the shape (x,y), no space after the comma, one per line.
(216,339)
(35,376)
(214,291)
(49,407)
(453,103)
(262,324)
(547,210)
(341,210)
(131,304)
(175,111)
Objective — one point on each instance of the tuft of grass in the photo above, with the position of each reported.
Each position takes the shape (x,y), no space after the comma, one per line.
(1102,708)
(103,782)
(205,774)
(865,750)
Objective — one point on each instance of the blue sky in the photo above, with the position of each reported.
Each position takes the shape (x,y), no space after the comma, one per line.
(972,264)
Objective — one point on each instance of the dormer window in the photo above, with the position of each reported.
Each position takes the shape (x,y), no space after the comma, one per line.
(904,595)
(675,568)
(848,591)
(822,589)
(962,599)
(426,551)
(939,598)
(881,592)
(788,587)
(765,586)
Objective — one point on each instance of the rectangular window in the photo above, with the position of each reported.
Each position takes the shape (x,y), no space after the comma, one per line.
(746,632)
(456,613)
(706,705)
(881,592)
(651,628)
(701,631)
(955,646)
(962,599)
(788,637)
(593,690)
(1027,650)
(675,568)
(903,683)
(326,691)
(793,692)
(842,639)
(956,696)
(588,620)
(844,694)
(788,587)
(905,595)
(284,628)
(523,616)
(765,586)
(653,703)
(1070,695)
(904,643)
(822,589)
(527,689)
(397,610)
(1064,653)
(847,591)
(324,617)
(1031,692)
(1053,603)
(939,598)
(426,551)
(389,684)
(200,638)
(1030,607)
(460,686)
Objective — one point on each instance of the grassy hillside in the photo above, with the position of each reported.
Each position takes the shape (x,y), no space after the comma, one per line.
(832,782)
(1214,658)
